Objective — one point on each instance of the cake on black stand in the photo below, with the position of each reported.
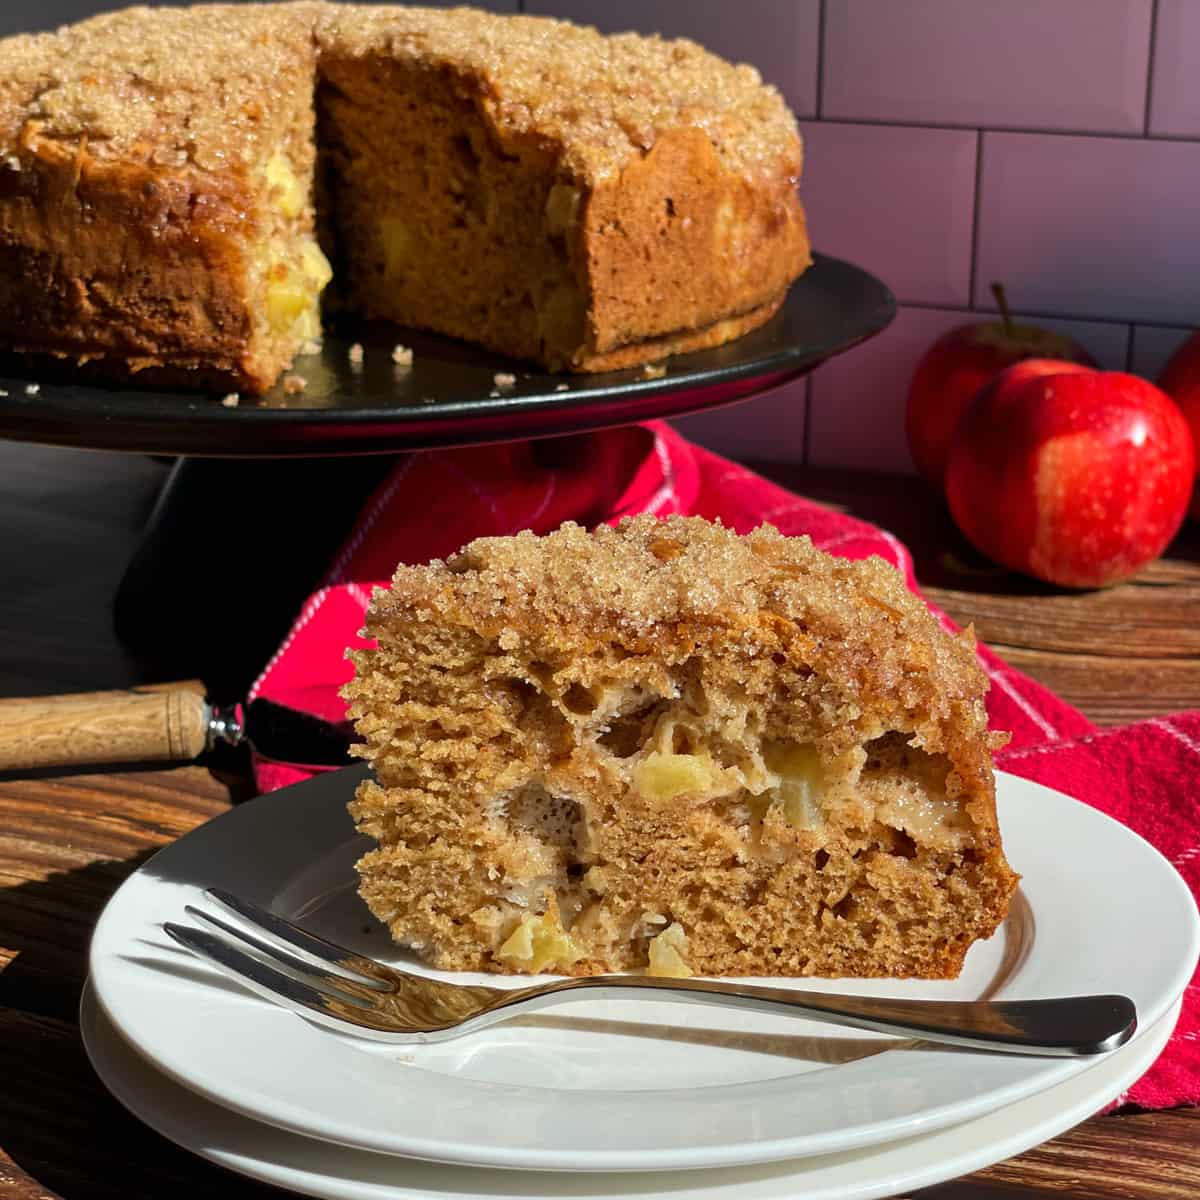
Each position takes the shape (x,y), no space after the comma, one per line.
(263,491)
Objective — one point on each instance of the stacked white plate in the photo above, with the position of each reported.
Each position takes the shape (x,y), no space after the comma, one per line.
(631,1098)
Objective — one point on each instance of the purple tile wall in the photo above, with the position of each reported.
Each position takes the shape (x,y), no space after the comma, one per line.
(899,202)
(1092,227)
(857,401)
(780,37)
(1028,64)
(1175,94)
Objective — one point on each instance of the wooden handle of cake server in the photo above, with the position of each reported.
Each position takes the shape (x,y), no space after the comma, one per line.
(168,724)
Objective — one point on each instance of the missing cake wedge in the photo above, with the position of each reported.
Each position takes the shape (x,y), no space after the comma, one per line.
(665,746)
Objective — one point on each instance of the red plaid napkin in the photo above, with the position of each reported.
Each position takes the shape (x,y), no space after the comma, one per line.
(1145,775)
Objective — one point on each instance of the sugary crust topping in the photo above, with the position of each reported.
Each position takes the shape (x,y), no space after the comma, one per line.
(603,99)
(171,87)
(194,86)
(666,587)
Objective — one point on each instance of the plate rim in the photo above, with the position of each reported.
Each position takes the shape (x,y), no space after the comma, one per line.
(288,1116)
(195,424)
(1148,1043)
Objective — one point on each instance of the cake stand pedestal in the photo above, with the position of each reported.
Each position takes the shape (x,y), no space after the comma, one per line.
(264,490)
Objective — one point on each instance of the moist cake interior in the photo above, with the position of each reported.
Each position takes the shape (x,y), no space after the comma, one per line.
(433,216)
(739,792)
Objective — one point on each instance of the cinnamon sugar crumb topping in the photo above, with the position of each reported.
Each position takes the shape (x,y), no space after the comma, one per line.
(185,86)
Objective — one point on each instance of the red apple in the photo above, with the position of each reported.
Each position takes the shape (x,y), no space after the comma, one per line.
(1181,381)
(957,365)
(1077,477)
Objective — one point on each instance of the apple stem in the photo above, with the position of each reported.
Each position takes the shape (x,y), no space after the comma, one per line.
(1002,305)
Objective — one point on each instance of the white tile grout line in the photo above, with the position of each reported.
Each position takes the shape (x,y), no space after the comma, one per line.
(976,205)
(819,99)
(1043,314)
(952,127)
(1150,63)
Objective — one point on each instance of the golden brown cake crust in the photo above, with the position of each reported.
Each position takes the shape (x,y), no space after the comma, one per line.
(605,100)
(664,724)
(128,203)
(137,137)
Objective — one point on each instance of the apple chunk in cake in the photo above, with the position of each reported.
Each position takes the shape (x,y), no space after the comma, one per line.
(663,746)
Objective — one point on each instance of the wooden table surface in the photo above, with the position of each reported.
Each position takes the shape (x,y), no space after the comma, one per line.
(68,521)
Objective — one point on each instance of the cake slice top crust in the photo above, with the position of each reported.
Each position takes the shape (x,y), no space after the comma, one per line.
(194,86)
(169,87)
(675,587)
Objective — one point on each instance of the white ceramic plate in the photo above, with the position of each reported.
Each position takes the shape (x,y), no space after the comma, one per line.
(635,1085)
(338,1173)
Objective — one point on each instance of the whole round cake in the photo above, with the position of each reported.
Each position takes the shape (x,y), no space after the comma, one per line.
(178,186)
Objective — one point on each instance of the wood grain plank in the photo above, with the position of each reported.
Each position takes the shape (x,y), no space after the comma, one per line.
(66,844)
(52,1100)
(1130,621)
(1112,691)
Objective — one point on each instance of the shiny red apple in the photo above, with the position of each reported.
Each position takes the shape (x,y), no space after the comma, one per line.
(1075,476)
(1181,381)
(957,365)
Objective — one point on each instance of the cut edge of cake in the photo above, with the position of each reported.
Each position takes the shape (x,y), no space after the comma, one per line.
(663,746)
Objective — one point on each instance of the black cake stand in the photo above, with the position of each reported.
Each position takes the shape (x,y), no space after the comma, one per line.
(263,491)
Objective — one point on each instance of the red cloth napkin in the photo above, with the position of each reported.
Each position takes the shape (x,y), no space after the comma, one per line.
(1145,775)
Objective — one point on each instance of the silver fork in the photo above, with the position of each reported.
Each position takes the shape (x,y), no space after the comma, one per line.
(333,986)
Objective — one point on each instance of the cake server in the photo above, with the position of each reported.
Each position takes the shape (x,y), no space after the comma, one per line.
(168,723)
(360,997)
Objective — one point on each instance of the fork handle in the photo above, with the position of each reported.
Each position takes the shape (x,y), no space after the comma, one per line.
(1065,1026)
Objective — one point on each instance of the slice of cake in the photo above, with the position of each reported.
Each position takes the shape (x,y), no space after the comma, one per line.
(156,216)
(580,201)
(664,746)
